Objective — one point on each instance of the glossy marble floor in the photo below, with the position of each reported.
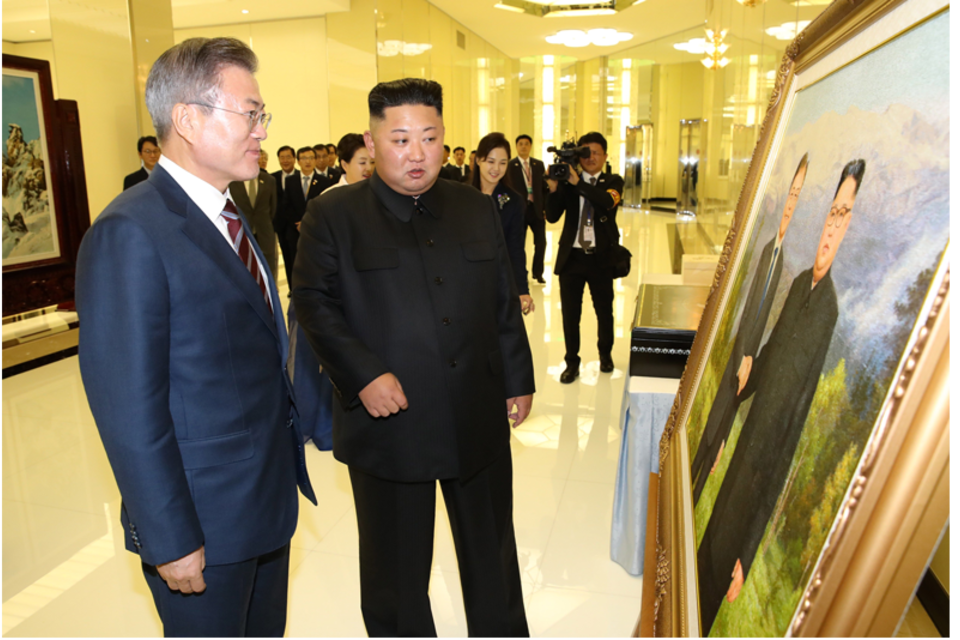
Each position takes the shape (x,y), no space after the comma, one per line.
(65,572)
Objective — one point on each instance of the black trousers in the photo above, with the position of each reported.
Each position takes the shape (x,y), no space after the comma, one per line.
(582,269)
(717,430)
(396,522)
(288,239)
(538,226)
(243,599)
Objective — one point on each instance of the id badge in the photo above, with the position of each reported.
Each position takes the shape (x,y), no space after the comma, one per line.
(588,235)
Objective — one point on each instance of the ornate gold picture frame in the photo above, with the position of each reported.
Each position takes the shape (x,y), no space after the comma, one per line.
(804,470)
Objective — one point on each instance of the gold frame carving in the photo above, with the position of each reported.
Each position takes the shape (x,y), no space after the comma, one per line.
(899,499)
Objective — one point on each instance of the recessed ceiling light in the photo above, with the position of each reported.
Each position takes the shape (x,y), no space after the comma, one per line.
(697,46)
(598,37)
(787,30)
(32,31)
(244,11)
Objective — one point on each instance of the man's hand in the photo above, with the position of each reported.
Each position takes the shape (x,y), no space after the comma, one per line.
(186,574)
(552,184)
(743,373)
(384,396)
(297,225)
(526,304)
(523,404)
(737,583)
(574,176)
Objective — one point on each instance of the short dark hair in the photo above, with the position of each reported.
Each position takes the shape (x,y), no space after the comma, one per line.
(321,146)
(286,147)
(488,143)
(349,145)
(331,148)
(304,150)
(446,148)
(416,91)
(593,136)
(523,136)
(853,169)
(455,149)
(151,139)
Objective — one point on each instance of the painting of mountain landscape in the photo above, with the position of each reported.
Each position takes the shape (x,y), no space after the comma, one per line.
(29,220)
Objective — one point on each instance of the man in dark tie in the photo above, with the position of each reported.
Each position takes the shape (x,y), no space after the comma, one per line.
(182,352)
(404,288)
(753,322)
(298,191)
(457,170)
(257,200)
(783,382)
(585,252)
(526,175)
(149,151)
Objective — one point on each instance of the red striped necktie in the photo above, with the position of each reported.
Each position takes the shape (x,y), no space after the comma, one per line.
(243,248)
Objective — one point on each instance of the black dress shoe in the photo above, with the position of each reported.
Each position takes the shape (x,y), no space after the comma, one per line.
(541,280)
(569,374)
(606,364)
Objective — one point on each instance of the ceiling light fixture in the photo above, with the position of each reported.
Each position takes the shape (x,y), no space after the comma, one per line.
(507,7)
(244,11)
(715,47)
(598,37)
(787,30)
(696,46)
(751,3)
(390,48)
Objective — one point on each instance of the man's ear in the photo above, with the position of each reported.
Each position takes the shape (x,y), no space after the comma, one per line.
(368,142)
(185,121)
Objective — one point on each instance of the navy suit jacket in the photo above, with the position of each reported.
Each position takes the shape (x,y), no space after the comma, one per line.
(183,365)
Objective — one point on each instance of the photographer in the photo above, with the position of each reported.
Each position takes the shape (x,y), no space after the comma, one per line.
(584,255)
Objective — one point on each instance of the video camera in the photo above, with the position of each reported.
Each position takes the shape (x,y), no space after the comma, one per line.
(567,156)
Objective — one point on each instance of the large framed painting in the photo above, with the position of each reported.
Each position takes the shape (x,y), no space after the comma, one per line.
(45,209)
(804,469)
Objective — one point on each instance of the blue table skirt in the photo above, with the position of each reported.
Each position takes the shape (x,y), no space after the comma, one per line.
(312,387)
(644,416)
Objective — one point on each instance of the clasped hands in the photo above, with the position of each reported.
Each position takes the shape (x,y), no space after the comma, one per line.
(384,397)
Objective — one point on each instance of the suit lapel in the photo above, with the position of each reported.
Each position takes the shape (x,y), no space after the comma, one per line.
(203,233)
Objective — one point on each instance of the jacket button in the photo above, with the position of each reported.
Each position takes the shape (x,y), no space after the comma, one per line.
(429,243)
(453,364)
(446,321)
(438,280)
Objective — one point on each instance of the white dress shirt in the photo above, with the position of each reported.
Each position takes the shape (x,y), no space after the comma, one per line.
(586,176)
(208,199)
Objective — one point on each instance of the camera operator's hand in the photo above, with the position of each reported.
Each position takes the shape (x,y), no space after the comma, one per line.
(574,176)
(552,184)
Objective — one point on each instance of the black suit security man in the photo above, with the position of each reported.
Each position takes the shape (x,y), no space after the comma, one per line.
(526,175)
(584,256)
(405,291)
(297,192)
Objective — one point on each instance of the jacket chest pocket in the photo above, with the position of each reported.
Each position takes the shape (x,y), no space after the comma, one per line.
(478,251)
(371,259)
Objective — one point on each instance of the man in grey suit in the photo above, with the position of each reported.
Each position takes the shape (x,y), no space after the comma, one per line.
(257,200)
(783,382)
(753,321)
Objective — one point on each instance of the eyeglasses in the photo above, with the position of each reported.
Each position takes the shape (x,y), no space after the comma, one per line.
(256,117)
(151,152)
(836,215)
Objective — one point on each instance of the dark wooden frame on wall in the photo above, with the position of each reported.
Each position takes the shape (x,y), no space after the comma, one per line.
(43,283)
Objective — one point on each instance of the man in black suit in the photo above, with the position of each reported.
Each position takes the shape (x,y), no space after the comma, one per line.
(526,175)
(287,156)
(783,382)
(406,293)
(298,191)
(149,151)
(459,171)
(585,251)
(332,165)
(257,200)
(753,322)
(322,164)
(182,351)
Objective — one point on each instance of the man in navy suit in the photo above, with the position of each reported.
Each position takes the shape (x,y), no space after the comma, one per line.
(182,354)
(149,151)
